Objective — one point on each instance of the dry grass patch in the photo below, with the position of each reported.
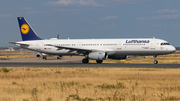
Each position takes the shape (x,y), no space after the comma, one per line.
(16,54)
(98,84)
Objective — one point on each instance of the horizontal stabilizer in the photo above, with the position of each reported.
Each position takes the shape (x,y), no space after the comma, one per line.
(19,44)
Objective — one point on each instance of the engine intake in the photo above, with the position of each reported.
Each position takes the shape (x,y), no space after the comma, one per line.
(38,55)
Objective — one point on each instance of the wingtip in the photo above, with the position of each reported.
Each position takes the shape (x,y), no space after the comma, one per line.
(11,42)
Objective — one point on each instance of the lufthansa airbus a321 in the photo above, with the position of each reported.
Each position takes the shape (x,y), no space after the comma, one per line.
(96,49)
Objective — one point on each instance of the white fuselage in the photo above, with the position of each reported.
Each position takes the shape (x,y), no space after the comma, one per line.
(144,46)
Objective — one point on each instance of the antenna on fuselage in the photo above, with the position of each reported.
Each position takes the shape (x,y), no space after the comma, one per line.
(58,36)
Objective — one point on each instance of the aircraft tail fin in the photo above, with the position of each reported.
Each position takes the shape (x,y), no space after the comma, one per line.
(27,33)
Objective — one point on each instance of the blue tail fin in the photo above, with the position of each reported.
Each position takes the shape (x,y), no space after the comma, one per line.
(26,30)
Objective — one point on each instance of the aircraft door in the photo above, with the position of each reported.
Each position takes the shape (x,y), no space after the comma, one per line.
(152,44)
(38,45)
(79,44)
(119,46)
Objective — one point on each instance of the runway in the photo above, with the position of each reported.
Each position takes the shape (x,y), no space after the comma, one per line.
(33,64)
(74,62)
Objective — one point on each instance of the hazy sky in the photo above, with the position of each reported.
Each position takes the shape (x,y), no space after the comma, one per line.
(78,19)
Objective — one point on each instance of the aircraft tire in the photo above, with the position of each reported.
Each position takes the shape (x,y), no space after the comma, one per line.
(99,61)
(155,62)
(58,58)
(85,61)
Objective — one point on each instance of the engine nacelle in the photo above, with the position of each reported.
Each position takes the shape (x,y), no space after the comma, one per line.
(38,55)
(117,57)
(97,55)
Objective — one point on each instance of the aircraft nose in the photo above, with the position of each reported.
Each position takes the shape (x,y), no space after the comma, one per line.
(173,49)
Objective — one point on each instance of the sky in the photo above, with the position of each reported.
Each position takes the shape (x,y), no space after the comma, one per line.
(87,19)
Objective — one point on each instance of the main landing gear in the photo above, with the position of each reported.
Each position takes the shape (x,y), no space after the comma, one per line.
(85,60)
(44,57)
(99,61)
(59,57)
(155,61)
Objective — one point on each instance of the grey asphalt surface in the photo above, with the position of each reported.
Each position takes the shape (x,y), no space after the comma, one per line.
(73,62)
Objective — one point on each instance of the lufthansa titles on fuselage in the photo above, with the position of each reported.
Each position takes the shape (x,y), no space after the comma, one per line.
(137,41)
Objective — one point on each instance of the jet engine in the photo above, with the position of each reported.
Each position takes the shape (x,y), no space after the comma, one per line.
(97,55)
(117,57)
(38,55)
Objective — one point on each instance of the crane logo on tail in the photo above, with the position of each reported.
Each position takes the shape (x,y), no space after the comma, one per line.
(24,28)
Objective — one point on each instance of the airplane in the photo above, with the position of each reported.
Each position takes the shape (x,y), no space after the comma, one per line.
(96,49)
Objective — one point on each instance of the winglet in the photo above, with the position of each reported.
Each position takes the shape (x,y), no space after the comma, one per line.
(26,30)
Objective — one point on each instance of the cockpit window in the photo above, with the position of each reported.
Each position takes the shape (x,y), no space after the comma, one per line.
(165,44)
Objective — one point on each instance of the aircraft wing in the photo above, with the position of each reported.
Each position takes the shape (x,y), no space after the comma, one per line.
(78,50)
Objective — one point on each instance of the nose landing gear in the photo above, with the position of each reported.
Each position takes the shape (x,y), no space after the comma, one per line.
(155,61)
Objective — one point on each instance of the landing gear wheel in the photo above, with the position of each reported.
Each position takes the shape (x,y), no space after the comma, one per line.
(85,61)
(155,62)
(44,57)
(58,57)
(99,61)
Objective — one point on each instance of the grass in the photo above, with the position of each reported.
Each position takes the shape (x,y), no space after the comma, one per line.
(17,54)
(89,84)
